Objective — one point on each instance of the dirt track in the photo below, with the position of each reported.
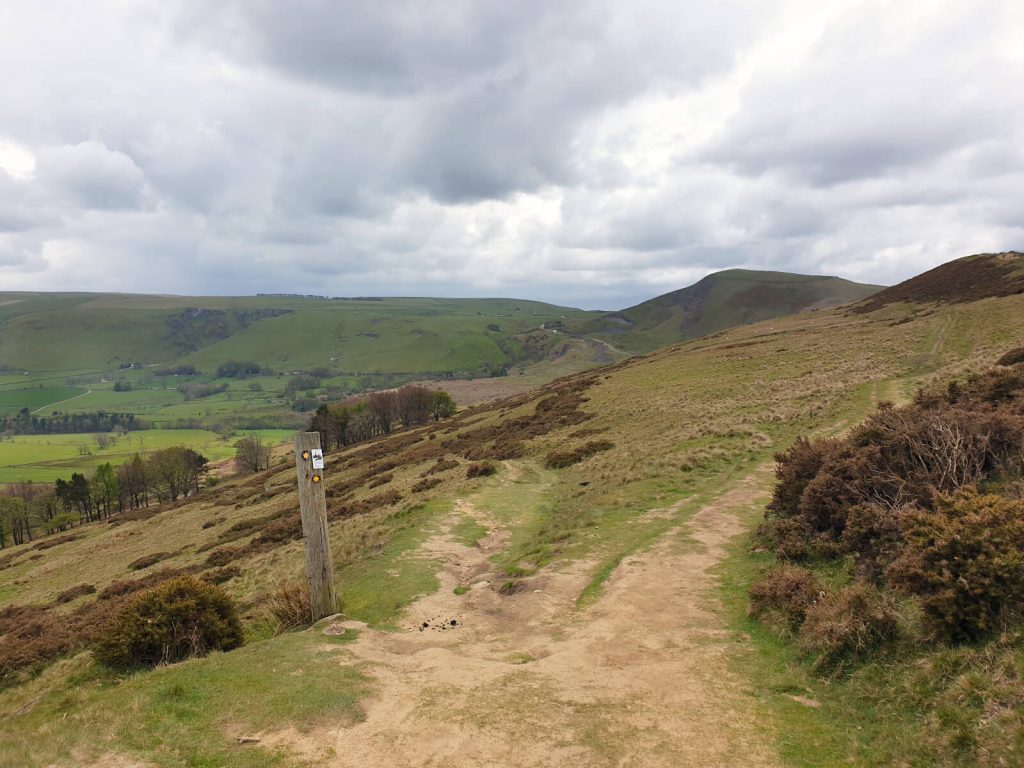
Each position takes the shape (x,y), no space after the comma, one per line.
(640,678)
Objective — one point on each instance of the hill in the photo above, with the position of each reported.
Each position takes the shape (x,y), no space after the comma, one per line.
(718,301)
(967,279)
(159,357)
(395,335)
(584,602)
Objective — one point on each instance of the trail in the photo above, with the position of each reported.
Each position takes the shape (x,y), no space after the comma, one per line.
(616,350)
(61,402)
(640,678)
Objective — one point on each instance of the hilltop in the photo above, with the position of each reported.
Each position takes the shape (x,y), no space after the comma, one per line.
(968,279)
(718,301)
(588,539)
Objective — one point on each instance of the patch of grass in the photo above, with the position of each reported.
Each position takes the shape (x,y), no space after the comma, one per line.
(468,531)
(186,714)
(378,586)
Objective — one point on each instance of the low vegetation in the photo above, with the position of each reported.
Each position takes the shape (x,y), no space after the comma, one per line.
(179,619)
(901,553)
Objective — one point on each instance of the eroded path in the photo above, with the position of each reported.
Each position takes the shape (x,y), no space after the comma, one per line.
(640,678)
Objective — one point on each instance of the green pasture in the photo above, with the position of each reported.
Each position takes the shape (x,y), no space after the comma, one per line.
(33,398)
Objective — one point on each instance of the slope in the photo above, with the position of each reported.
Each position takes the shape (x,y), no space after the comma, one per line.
(589,625)
(718,301)
(968,279)
(102,331)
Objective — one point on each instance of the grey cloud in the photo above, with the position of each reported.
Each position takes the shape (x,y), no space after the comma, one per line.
(91,175)
(590,153)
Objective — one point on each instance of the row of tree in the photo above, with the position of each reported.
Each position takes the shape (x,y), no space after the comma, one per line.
(165,475)
(359,419)
(25,423)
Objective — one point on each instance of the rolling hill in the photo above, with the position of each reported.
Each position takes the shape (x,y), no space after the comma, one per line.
(104,331)
(718,301)
(74,332)
(584,603)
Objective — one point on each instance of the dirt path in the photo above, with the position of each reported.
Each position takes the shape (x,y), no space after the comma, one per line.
(641,678)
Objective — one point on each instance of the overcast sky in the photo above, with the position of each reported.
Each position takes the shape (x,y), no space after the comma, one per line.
(587,153)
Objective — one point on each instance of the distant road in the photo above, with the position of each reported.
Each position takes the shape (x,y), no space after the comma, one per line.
(59,402)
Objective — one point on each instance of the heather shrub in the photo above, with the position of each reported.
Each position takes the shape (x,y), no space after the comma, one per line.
(873,537)
(480,469)
(562,459)
(176,620)
(966,560)
(785,591)
(794,469)
(848,624)
(1013,357)
(789,537)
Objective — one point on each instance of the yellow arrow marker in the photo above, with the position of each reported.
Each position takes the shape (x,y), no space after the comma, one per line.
(316,478)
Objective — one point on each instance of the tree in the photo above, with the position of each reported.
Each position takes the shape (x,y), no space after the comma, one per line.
(443,406)
(105,490)
(415,404)
(252,454)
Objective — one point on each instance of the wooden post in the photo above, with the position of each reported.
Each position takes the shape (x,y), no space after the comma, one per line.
(313,507)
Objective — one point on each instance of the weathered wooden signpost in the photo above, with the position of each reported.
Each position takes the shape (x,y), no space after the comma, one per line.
(309,467)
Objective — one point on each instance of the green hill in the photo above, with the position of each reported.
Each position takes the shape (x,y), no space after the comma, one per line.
(719,301)
(41,331)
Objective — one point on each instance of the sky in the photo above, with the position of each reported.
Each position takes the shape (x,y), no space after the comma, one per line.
(589,154)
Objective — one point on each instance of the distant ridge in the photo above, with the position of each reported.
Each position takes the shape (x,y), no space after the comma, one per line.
(980,276)
(722,300)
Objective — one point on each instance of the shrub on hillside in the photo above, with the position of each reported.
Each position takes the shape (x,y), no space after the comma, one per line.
(970,435)
(562,459)
(480,469)
(176,620)
(1013,357)
(846,625)
(785,591)
(966,560)
(788,537)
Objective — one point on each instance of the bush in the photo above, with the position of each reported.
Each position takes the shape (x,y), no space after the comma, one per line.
(480,469)
(845,626)
(562,459)
(966,559)
(426,484)
(289,607)
(786,591)
(176,620)
(1013,357)
(789,537)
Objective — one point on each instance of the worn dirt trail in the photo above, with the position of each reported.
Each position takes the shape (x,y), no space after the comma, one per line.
(640,678)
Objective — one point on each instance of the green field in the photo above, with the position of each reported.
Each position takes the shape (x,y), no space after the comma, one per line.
(45,458)
(34,398)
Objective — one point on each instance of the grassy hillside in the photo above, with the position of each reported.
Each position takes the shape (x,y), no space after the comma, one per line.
(98,332)
(527,560)
(721,300)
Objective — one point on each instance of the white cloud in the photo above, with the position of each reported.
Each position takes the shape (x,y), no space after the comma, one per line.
(591,153)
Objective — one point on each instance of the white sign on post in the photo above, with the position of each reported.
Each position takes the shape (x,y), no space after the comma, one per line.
(318,458)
